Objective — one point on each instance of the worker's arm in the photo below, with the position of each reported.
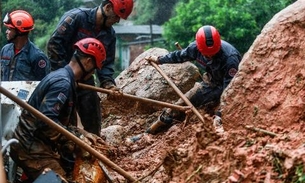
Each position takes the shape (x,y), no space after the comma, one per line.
(59,47)
(187,54)
(105,75)
(230,69)
(41,66)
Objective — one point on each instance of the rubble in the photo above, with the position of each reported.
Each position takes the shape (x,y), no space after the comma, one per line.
(263,116)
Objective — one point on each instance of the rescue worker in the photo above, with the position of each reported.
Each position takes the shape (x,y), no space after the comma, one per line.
(40,146)
(80,23)
(220,61)
(21,60)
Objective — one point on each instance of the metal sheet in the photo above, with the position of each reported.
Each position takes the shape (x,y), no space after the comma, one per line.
(10,111)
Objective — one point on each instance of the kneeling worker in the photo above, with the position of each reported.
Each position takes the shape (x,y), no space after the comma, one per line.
(220,61)
(40,146)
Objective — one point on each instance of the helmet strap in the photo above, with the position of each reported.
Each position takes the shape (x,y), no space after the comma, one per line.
(105,17)
(85,73)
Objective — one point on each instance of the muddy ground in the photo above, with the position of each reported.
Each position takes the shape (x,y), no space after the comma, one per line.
(192,152)
(267,93)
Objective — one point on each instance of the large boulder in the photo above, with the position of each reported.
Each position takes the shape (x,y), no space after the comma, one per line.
(269,87)
(143,80)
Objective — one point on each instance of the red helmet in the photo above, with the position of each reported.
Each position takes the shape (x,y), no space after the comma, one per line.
(208,40)
(20,20)
(122,8)
(93,47)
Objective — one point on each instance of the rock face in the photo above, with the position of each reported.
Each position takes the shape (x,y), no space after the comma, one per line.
(143,80)
(269,87)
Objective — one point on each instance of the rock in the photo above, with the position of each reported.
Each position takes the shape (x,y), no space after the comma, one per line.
(267,93)
(143,80)
(269,87)
(113,134)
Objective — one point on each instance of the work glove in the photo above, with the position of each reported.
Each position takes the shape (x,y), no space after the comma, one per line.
(68,147)
(92,140)
(65,145)
(116,92)
(152,59)
(110,86)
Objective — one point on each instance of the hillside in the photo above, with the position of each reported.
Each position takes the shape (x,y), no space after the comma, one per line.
(263,118)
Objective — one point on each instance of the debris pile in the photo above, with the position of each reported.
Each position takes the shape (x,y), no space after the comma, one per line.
(263,117)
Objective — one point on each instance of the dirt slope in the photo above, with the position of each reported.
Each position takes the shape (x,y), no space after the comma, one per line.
(268,94)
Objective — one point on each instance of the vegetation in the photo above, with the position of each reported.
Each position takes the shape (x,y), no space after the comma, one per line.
(45,13)
(239,22)
(154,11)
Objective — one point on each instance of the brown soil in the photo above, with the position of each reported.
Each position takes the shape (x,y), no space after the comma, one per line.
(192,152)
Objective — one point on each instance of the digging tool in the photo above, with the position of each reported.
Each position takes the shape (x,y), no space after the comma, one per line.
(69,135)
(187,117)
(178,46)
(163,104)
(139,136)
(177,91)
(105,171)
(260,130)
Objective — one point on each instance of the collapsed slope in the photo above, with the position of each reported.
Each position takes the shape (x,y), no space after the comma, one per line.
(263,115)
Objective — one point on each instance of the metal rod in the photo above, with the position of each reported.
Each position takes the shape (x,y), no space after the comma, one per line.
(178,91)
(69,135)
(7,144)
(110,92)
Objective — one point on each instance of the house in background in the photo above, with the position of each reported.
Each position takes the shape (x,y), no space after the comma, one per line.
(133,39)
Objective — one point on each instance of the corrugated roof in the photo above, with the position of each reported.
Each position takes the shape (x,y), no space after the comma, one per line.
(137,29)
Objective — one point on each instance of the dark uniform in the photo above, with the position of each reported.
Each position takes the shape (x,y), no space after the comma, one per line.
(74,25)
(29,64)
(39,144)
(220,70)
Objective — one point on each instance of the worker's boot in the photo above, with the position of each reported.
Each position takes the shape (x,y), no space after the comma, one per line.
(164,121)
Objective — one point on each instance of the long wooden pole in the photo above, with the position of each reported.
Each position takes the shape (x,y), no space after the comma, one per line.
(177,91)
(146,100)
(69,135)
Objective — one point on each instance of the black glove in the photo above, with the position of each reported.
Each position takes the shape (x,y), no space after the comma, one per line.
(68,147)
(66,150)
